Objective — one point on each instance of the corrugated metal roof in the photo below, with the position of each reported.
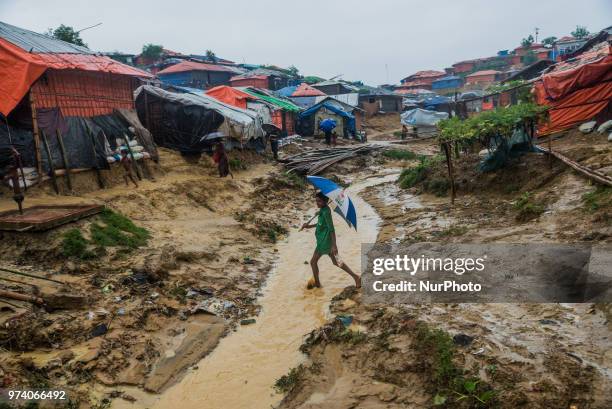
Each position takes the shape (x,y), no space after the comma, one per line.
(38,43)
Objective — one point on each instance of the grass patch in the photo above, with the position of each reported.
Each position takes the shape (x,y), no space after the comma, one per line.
(448,384)
(411,176)
(527,208)
(438,346)
(351,337)
(115,230)
(439,187)
(599,198)
(237,164)
(289,180)
(454,230)
(75,245)
(400,154)
(271,230)
(286,383)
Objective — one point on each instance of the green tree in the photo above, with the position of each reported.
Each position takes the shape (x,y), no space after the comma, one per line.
(293,70)
(66,33)
(526,42)
(152,51)
(549,40)
(211,56)
(580,32)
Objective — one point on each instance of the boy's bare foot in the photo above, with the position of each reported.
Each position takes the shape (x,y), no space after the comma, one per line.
(312,284)
(357,282)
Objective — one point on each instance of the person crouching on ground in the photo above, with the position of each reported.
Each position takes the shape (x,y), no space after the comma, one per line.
(326,241)
(220,158)
(126,162)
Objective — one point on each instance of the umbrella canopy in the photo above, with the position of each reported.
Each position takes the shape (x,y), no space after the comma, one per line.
(327,124)
(344,205)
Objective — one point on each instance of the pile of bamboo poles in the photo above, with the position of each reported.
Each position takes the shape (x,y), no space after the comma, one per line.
(316,161)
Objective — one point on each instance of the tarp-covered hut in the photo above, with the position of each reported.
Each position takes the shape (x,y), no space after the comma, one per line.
(51,89)
(343,114)
(576,90)
(190,121)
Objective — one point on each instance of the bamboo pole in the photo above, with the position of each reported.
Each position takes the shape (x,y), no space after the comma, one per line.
(93,148)
(588,172)
(36,138)
(449,163)
(50,159)
(60,141)
(29,275)
(21,297)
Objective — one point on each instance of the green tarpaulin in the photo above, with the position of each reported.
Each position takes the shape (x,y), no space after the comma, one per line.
(281,103)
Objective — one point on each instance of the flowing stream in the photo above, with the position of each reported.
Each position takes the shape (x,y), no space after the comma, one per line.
(241,371)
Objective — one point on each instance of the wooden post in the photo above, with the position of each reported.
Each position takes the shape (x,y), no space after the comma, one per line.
(550,156)
(134,163)
(36,134)
(449,163)
(93,148)
(50,159)
(60,141)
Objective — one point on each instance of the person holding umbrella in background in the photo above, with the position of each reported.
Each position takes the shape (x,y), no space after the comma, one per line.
(326,241)
(327,126)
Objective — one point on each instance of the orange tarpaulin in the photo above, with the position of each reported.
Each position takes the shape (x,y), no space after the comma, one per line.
(576,90)
(231,96)
(19,69)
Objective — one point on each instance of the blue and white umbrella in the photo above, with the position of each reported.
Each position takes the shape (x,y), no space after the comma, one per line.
(343,204)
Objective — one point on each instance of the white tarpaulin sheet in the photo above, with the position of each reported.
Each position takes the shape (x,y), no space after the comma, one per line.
(349,99)
(422,117)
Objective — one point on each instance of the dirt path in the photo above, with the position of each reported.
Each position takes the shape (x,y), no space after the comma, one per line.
(253,358)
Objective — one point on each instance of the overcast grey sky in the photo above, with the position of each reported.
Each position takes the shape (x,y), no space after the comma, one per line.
(321,37)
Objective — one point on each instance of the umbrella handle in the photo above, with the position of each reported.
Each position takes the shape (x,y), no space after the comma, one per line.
(311,219)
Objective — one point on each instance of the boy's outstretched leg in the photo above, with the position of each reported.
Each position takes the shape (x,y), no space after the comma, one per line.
(315,268)
(341,264)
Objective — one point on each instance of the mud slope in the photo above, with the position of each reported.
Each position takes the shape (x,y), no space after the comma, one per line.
(149,313)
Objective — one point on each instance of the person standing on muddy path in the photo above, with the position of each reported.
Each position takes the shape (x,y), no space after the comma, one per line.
(220,158)
(126,162)
(326,241)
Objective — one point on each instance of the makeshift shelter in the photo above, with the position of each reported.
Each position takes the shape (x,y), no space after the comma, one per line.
(189,122)
(284,114)
(231,96)
(422,117)
(308,121)
(332,87)
(263,78)
(576,90)
(57,93)
(195,74)
(375,102)
(305,90)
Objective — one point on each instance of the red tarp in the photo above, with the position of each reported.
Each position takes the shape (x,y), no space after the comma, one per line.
(185,66)
(231,96)
(20,69)
(305,90)
(576,90)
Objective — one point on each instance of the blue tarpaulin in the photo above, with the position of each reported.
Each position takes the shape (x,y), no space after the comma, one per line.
(287,91)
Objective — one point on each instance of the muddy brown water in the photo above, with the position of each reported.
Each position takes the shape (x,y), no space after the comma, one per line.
(241,371)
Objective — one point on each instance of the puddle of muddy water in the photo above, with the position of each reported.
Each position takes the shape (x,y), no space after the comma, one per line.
(241,371)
